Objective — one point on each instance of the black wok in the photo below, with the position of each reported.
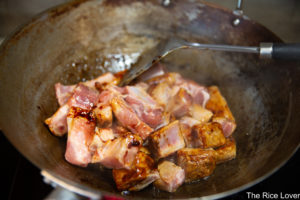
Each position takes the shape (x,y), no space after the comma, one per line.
(83,39)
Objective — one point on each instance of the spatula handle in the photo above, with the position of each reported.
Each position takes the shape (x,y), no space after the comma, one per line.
(282,51)
(286,51)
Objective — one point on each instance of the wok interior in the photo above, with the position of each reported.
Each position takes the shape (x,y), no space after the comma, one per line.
(99,36)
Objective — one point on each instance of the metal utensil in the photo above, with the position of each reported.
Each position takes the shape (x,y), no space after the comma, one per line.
(164,48)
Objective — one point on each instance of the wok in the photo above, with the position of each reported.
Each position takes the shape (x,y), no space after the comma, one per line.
(82,39)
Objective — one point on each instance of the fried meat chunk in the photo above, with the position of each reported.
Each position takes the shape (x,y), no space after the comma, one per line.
(167,140)
(140,175)
(196,162)
(208,135)
(222,114)
(227,151)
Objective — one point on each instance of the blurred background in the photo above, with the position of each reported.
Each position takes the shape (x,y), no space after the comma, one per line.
(280,16)
(23,180)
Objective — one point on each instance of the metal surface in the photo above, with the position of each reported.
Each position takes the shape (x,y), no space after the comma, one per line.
(60,193)
(239,12)
(239,8)
(263,95)
(60,184)
(266,50)
(164,48)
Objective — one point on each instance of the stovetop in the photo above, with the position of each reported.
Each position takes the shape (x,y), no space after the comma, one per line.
(22,180)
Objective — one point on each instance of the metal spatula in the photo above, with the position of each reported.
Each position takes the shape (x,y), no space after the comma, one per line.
(154,55)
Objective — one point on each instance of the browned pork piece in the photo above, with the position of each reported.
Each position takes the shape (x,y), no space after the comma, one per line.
(227,151)
(208,135)
(171,176)
(222,114)
(81,127)
(128,118)
(118,153)
(139,176)
(103,114)
(199,113)
(167,140)
(144,106)
(197,163)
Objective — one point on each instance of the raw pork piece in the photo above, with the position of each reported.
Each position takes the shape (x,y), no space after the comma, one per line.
(64,92)
(186,125)
(180,103)
(83,97)
(170,78)
(81,128)
(171,176)
(118,153)
(144,106)
(198,92)
(101,136)
(128,118)
(57,123)
(161,93)
(162,88)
